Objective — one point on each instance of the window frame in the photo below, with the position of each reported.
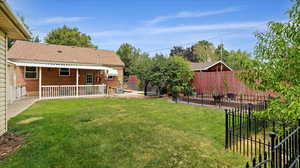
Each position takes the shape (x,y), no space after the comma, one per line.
(92,79)
(36,73)
(69,70)
(109,77)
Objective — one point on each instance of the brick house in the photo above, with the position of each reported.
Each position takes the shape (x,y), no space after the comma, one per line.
(51,71)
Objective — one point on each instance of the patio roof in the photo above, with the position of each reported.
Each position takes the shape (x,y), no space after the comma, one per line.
(111,71)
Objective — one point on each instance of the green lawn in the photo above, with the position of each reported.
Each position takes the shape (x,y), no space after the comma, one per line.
(120,133)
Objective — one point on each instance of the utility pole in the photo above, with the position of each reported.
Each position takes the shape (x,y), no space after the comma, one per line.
(222,50)
(222,45)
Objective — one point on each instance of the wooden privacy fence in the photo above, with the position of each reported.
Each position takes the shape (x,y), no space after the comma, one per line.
(222,82)
(268,143)
(132,82)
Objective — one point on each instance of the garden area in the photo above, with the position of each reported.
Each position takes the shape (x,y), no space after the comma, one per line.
(116,132)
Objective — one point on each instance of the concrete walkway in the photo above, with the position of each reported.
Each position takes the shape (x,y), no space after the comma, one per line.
(19,106)
(130,94)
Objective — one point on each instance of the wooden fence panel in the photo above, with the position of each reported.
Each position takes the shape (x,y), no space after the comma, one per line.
(222,82)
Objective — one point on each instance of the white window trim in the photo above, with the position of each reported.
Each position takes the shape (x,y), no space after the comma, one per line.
(36,71)
(89,73)
(64,75)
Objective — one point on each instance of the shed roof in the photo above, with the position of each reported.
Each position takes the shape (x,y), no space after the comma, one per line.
(30,51)
(202,66)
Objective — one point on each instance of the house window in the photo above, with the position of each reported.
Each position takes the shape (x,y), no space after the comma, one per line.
(30,72)
(89,79)
(110,77)
(64,72)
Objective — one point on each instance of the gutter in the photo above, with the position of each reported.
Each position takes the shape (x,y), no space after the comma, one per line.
(15,20)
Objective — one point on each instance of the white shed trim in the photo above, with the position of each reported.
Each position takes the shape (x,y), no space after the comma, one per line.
(218,63)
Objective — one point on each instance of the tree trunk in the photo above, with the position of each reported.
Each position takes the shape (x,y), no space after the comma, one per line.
(159,91)
(145,88)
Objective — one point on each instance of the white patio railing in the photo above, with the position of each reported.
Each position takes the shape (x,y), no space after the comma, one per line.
(59,91)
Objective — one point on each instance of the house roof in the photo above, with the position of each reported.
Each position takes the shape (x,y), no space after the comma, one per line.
(202,66)
(11,24)
(39,52)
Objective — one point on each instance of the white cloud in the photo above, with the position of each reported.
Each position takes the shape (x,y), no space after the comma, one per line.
(61,19)
(142,31)
(222,26)
(186,14)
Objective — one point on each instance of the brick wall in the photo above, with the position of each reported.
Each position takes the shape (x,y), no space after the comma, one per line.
(50,76)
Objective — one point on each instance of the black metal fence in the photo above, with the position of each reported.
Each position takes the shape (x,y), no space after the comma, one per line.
(284,152)
(226,100)
(268,143)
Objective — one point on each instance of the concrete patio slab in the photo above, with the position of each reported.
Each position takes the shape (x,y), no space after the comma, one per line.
(19,106)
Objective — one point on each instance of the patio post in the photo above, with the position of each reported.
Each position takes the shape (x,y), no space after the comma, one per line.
(40,82)
(77,81)
(107,88)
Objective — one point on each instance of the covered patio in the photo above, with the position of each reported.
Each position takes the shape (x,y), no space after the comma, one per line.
(73,80)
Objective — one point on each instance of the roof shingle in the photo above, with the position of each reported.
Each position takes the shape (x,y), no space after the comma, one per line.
(30,51)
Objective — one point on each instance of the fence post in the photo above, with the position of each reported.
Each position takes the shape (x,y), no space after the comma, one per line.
(250,106)
(273,136)
(226,129)
(299,139)
(254,162)
(249,119)
(202,101)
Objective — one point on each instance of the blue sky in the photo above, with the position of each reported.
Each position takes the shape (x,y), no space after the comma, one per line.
(156,24)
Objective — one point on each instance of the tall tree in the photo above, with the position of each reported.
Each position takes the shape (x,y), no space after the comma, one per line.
(142,68)
(186,53)
(32,39)
(70,37)
(238,60)
(159,72)
(179,74)
(221,53)
(276,66)
(36,39)
(129,55)
(203,51)
(178,51)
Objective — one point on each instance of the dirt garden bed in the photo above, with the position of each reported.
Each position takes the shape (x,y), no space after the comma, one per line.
(9,143)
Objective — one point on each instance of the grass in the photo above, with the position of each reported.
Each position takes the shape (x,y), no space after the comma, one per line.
(120,133)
